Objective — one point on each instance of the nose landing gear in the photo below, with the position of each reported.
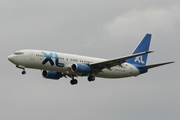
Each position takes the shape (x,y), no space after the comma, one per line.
(21,67)
(24,72)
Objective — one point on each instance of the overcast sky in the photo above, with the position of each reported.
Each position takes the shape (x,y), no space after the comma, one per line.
(98,28)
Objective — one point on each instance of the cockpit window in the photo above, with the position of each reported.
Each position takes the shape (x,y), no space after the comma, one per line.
(18,53)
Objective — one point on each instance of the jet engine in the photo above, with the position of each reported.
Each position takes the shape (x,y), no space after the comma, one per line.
(51,74)
(80,68)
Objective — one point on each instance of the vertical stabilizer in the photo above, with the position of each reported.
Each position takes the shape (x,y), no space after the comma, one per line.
(142,47)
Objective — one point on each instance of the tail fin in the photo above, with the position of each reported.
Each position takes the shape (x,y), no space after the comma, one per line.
(142,47)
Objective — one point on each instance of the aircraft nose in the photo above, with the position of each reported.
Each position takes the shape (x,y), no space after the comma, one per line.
(11,58)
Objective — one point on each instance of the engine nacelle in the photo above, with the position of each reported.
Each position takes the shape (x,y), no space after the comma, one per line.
(51,74)
(80,68)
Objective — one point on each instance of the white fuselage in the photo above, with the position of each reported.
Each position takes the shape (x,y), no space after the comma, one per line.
(62,62)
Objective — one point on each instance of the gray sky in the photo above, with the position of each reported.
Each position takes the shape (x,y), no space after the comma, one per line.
(99,28)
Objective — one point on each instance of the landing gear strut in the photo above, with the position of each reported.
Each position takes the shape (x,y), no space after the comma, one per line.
(21,67)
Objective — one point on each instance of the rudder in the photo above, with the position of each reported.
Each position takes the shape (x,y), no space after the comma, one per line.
(142,47)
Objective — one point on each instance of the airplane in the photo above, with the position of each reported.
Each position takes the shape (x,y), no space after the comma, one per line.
(56,65)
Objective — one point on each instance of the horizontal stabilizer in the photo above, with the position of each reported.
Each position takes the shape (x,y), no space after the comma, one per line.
(155,65)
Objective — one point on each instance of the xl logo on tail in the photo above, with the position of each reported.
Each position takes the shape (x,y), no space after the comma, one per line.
(139,59)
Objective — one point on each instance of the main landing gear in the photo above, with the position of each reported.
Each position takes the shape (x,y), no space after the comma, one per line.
(75,81)
(91,78)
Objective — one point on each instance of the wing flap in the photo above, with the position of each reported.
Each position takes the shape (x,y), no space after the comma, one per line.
(155,65)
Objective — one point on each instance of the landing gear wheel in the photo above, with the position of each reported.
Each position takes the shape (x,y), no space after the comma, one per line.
(73,82)
(23,72)
(91,78)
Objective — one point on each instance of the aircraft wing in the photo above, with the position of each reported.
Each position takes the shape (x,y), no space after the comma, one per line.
(155,65)
(113,62)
